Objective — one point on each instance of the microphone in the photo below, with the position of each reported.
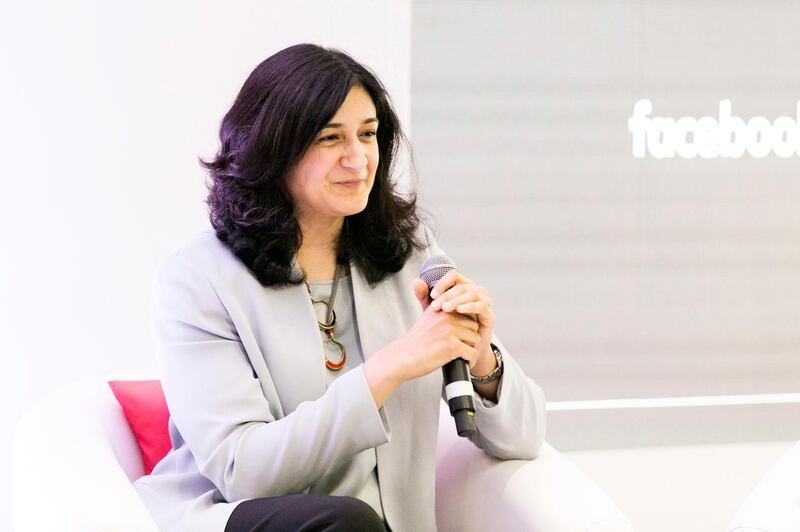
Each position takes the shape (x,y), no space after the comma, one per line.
(458,387)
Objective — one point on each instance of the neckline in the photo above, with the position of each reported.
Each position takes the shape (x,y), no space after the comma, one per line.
(327,282)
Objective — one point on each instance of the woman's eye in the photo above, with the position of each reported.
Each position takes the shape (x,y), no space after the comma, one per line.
(332,138)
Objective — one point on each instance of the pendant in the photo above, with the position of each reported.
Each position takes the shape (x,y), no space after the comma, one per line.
(327,329)
(335,366)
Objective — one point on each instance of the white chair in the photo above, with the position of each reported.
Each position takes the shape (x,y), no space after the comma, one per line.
(75,458)
(774,504)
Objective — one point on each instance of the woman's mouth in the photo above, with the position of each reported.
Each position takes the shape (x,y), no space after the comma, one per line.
(350,184)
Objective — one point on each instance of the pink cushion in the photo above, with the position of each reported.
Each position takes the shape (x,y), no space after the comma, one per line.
(146,410)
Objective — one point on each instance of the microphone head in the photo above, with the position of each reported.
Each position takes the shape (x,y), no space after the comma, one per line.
(434,268)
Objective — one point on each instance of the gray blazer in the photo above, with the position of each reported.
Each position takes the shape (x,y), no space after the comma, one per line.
(243,374)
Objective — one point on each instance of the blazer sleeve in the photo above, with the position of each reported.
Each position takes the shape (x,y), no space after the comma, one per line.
(514,427)
(218,406)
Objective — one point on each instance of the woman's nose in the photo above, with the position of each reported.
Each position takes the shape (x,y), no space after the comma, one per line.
(355,157)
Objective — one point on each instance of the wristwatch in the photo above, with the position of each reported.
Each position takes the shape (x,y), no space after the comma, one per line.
(495,374)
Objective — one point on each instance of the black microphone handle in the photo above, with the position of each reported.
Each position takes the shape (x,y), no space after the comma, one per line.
(460,399)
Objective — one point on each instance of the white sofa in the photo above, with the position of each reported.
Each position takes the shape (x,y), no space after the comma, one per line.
(774,504)
(75,458)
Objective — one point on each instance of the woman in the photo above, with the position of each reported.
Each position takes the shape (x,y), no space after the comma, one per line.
(316,422)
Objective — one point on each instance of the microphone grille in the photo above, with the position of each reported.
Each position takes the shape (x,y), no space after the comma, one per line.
(434,268)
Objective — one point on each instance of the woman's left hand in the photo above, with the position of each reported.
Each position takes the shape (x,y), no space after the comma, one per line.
(456,293)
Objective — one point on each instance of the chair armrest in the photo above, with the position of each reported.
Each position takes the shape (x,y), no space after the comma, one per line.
(68,448)
(774,504)
(475,492)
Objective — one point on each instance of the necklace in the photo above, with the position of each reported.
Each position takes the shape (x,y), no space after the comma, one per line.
(327,326)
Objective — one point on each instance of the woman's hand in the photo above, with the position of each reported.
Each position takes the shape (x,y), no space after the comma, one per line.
(455,293)
(435,339)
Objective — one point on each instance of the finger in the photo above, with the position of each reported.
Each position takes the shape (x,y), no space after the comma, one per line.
(480,308)
(469,354)
(451,293)
(469,337)
(463,321)
(450,279)
(465,297)
(421,293)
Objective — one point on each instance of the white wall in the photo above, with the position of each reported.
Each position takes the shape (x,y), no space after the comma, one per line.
(105,108)
(680,488)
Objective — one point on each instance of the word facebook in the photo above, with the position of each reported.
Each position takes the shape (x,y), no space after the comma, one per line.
(708,137)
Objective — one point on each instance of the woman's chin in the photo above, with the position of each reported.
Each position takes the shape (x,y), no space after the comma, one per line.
(354,205)
(355,209)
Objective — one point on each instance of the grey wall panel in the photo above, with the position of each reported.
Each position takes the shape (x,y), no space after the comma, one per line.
(615,276)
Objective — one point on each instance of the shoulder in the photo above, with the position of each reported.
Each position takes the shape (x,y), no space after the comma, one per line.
(424,235)
(205,247)
(202,256)
(427,237)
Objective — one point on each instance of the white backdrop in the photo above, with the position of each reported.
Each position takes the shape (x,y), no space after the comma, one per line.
(105,108)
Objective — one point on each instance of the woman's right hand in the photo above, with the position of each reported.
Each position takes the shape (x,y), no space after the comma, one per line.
(436,338)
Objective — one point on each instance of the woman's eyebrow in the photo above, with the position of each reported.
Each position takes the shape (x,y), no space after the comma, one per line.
(335,124)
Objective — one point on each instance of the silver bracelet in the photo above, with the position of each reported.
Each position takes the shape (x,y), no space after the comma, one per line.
(495,374)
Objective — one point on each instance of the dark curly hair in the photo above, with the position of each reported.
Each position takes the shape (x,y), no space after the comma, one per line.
(282,106)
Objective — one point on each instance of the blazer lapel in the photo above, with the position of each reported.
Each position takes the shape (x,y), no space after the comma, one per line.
(376,323)
(294,350)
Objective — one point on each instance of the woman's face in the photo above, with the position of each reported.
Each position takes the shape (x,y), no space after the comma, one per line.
(335,175)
